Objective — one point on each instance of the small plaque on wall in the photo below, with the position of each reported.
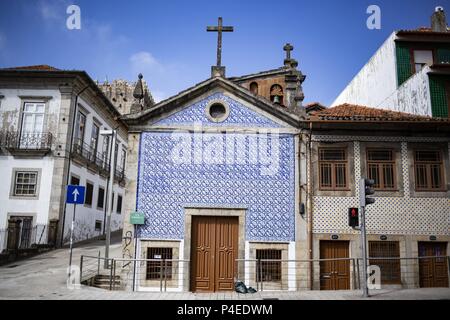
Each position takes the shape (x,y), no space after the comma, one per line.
(334,237)
(433,238)
(383,237)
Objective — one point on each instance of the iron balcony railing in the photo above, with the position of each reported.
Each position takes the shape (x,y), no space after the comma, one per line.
(99,159)
(90,154)
(26,140)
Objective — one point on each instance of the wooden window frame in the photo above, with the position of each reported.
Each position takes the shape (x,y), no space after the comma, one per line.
(35,184)
(420,48)
(77,137)
(428,176)
(333,171)
(379,164)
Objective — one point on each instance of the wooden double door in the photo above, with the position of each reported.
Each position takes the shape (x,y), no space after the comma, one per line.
(334,274)
(433,272)
(214,250)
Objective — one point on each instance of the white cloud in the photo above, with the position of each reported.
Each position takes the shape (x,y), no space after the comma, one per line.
(158,95)
(145,62)
(52,10)
(163,79)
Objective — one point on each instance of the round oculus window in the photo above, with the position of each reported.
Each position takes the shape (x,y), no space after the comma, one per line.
(217,111)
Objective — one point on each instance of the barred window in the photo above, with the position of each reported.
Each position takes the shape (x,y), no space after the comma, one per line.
(268,270)
(333,169)
(381,168)
(389,266)
(159,267)
(428,169)
(25,183)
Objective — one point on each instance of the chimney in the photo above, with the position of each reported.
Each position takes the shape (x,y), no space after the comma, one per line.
(438,20)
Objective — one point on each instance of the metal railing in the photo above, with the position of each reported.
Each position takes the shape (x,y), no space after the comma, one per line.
(26,140)
(136,274)
(152,274)
(24,237)
(273,274)
(99,159)
(90,154)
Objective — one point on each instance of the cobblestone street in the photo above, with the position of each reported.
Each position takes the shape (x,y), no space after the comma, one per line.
(44,277)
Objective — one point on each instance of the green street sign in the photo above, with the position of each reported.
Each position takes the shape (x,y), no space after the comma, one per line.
(137,218)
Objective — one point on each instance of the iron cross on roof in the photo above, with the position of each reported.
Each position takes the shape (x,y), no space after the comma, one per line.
(219,29)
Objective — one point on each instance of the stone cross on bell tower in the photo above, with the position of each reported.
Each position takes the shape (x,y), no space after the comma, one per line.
(218,70)
(288,48)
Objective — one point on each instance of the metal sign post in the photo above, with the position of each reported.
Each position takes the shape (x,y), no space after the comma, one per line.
(364,251)
(136,218)
(74,195)
(365,189)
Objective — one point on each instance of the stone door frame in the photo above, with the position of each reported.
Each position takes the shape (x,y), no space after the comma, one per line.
(212,212)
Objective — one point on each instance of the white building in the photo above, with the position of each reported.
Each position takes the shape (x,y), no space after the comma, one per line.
(410,72)
(40,154)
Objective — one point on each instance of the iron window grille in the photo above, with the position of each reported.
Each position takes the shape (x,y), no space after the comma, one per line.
(159,267)
(268,269)
(390,268)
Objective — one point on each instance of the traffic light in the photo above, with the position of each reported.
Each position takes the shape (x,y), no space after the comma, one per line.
(353,217)
(366,190)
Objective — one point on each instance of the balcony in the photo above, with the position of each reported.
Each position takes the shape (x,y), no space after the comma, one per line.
(26,143)
(85,155)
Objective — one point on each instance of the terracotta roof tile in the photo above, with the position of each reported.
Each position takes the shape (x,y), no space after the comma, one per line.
(423,30)
(40,67)
(350,112)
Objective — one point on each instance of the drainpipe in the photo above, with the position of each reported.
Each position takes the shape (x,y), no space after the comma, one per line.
(70,157)
(310,211)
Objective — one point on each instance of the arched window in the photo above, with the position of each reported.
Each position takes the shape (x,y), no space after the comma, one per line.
(276,94)
(254,87)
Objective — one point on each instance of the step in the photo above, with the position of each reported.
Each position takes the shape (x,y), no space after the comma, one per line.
(106,281)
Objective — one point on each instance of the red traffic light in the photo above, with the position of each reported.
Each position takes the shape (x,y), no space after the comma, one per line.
(353,217)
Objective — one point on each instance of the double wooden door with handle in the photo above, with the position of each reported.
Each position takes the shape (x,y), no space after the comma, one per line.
(214,249)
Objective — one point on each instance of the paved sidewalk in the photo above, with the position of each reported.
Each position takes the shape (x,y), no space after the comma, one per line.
(44,277)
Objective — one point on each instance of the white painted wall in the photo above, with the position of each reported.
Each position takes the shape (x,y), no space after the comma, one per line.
(413,96)
(38,208)
(376,81)
(10,106)
(375,85)
(87,215)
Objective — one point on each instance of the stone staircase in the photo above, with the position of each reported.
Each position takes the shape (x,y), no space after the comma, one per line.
(102,281)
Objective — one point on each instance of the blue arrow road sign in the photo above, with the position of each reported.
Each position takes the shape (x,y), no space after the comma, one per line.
(75,194)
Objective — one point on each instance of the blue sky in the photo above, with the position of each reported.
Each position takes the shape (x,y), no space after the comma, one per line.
(167,40)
